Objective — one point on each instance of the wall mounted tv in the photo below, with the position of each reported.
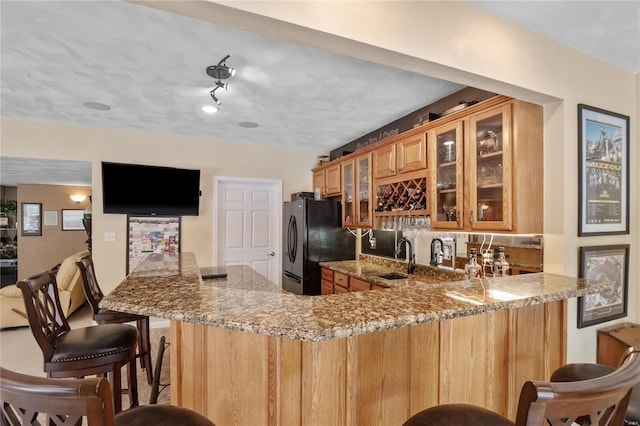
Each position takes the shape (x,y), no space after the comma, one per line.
(149,190)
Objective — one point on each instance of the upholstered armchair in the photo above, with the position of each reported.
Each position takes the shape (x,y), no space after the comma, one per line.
(70,288)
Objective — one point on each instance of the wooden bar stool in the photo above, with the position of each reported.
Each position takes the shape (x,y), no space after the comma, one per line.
(96,350)
(24,397)
(94,295)
(599,401)
(586,371)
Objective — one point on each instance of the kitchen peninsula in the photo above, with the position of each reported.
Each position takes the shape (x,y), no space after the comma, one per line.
(245,352)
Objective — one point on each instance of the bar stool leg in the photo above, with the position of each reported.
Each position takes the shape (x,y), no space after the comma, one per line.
(144,347)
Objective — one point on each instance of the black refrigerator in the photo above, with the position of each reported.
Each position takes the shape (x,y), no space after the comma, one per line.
(313,233)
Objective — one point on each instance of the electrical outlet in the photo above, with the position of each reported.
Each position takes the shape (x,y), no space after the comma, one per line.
(372,242)
(109,237)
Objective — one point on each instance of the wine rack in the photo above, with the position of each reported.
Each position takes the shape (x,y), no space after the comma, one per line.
(402,198)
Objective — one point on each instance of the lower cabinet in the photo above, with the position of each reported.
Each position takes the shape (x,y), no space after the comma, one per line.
(334,282)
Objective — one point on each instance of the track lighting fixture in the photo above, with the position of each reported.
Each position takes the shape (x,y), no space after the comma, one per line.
(220,72)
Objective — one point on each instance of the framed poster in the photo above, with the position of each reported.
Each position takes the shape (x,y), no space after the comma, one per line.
(72,220)
(151,234)
(603,177)
(31,219)
(604,264)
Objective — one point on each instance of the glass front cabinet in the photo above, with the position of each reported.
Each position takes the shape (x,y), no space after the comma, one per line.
(446,164)
(364,207)
(490,158)
(348,194)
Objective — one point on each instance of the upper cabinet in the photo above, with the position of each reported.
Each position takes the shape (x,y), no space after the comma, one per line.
(356,202)
(486,170)
(406,155)
(446,166)
(329,179)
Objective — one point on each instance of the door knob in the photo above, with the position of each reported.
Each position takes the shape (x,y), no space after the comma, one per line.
(273,253)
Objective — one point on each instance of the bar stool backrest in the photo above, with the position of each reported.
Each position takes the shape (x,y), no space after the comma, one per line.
(600,401)
(42,302)
(92,290)
(31,400)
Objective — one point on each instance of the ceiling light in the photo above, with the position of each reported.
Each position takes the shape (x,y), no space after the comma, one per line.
(210,109)
(220,72)
(98,106)
(213,96)
(78,198)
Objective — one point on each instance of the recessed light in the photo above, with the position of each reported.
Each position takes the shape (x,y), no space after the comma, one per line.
(248,124)
(97,106)
(209,109)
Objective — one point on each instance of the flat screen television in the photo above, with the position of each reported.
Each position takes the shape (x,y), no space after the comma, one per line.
(150,190)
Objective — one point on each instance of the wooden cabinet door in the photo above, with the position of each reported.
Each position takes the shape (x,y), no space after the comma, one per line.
(340,280)
(489,157)
(446,168)
(349,194)
(318,181)
(327,287)
(384,161)
(412,153)
(356,284)
(333,180)
(364,206)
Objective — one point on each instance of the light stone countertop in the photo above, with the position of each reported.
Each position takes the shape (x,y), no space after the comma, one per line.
(169,286)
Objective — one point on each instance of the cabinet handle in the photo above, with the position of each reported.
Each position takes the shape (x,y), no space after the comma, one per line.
(471,218)
(273,253)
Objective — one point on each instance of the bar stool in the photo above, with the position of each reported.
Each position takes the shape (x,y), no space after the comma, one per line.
(95,350)
(599,401)
(94,295)
(586,371)
(23,397)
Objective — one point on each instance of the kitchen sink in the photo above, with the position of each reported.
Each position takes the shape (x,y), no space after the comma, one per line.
(393,276)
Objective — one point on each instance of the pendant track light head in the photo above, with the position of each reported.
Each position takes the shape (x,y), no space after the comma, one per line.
(220,72)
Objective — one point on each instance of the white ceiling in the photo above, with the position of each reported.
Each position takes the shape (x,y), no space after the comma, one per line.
(149,66)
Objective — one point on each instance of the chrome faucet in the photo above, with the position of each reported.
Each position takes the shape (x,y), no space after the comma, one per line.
(411,264)
(437,255)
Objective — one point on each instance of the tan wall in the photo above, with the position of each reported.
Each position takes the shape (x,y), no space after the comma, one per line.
(214,158)
(457,42)
(39,253)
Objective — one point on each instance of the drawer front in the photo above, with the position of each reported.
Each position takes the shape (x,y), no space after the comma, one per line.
(358,285)
(341,279)
(327,274)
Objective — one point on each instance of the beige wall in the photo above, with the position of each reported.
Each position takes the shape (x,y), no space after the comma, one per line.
(214,158)
(39,253)
(458,42)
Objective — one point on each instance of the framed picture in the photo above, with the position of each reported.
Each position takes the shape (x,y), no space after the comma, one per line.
(31,219)
(4,221)
(72,220)
(151,234)
(603,177)
(604,264)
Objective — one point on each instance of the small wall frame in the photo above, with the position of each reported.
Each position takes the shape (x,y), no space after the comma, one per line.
(31,223)
(608,264)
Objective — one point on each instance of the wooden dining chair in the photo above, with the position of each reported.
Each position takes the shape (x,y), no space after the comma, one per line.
(29,400)
(95,350)
(600,401)
(94,295)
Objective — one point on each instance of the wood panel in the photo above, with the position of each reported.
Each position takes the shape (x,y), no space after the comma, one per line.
(323,396)
(412,153)
(382,378)
(474,361)
(378,378)
(425,367)
(356,284)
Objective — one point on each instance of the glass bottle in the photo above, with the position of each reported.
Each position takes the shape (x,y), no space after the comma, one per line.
(472,270)
(500,265)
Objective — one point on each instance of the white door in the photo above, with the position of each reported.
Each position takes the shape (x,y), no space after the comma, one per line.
(247,227)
